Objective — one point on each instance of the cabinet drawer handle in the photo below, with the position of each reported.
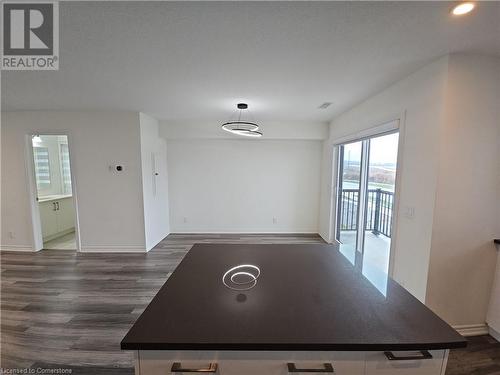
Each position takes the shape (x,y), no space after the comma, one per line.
(422,354)
(327,367)
(57,203)
(177,367)
(55,208)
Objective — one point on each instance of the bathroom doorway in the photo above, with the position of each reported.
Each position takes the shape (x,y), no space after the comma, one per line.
(54,191)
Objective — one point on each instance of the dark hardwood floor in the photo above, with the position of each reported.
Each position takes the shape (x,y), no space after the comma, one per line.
(481,357)
(60,309)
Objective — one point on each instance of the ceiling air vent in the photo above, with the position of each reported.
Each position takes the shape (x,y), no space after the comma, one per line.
(325,105)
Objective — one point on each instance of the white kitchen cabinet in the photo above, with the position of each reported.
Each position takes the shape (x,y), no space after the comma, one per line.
(65,215)
(377,363)
(48,218)
(250,363)
(276,363)
(57,217)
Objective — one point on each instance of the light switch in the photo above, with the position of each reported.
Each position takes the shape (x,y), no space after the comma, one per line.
(409,212)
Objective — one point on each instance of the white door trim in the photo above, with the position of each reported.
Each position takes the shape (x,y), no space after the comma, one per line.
(32,189)
(377,130)
(390,126)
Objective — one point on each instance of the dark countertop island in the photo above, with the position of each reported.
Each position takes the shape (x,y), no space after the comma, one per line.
(307,297)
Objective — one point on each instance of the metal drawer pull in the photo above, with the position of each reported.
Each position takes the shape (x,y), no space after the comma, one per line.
(177,367)
(422,354)
(327,368)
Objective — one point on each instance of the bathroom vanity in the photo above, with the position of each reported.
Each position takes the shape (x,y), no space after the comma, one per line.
(284,309)
(57,215)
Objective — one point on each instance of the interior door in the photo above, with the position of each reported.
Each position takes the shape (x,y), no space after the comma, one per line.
(365,201)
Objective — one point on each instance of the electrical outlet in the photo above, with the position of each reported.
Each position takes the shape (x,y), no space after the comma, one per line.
(185,219)
(275,220)
(12,234)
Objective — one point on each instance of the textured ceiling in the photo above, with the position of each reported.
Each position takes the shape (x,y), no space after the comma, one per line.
(187,61)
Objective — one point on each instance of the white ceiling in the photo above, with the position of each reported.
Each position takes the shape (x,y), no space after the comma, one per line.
(194,60)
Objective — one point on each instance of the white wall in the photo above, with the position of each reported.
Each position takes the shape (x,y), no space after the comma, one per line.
(463,255)
(418,102)
(155,187)
(493,317)
(239,185)
(110,207)
(274,130)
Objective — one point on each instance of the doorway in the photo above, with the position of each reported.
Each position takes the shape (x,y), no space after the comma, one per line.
(54,191)
(366,186)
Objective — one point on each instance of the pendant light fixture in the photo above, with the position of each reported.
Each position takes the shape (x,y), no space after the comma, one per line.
(242,125)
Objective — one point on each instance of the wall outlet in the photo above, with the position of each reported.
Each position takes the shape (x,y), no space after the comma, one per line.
(12,235)
(275,220)
(184,219)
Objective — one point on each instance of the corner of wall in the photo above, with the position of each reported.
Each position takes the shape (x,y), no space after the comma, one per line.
(154,183)
(462,233)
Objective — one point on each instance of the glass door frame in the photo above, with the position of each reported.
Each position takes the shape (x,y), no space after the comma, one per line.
(363,186)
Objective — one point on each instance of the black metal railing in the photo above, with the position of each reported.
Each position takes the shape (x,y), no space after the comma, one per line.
(379,210)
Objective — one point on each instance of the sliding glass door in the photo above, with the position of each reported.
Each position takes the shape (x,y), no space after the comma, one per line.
(348,201)
(365,200)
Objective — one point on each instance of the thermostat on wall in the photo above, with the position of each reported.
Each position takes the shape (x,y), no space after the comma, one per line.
(116,168)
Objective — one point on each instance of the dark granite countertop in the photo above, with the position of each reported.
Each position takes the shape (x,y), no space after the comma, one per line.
(307,297)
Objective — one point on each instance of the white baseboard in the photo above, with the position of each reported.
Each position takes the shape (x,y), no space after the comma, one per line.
(113,249)
(324,237)
(242,232)
(472,329)
(156,241)
(24,248)
(493,333)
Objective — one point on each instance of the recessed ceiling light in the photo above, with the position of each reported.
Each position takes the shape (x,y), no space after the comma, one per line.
(463,8)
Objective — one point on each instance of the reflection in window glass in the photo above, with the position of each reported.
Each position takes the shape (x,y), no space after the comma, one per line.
(379,207)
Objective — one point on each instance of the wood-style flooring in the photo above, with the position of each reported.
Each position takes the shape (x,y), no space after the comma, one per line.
(64,310)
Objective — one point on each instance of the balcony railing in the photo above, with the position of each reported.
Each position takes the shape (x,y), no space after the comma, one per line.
(379,210)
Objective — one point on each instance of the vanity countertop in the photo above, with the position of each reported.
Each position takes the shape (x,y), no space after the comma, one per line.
(49,198)
(306,297)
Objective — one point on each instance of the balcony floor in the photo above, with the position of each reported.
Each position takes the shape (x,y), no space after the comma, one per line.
(377,249)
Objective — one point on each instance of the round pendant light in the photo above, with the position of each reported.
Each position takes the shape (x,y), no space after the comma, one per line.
(241,126)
